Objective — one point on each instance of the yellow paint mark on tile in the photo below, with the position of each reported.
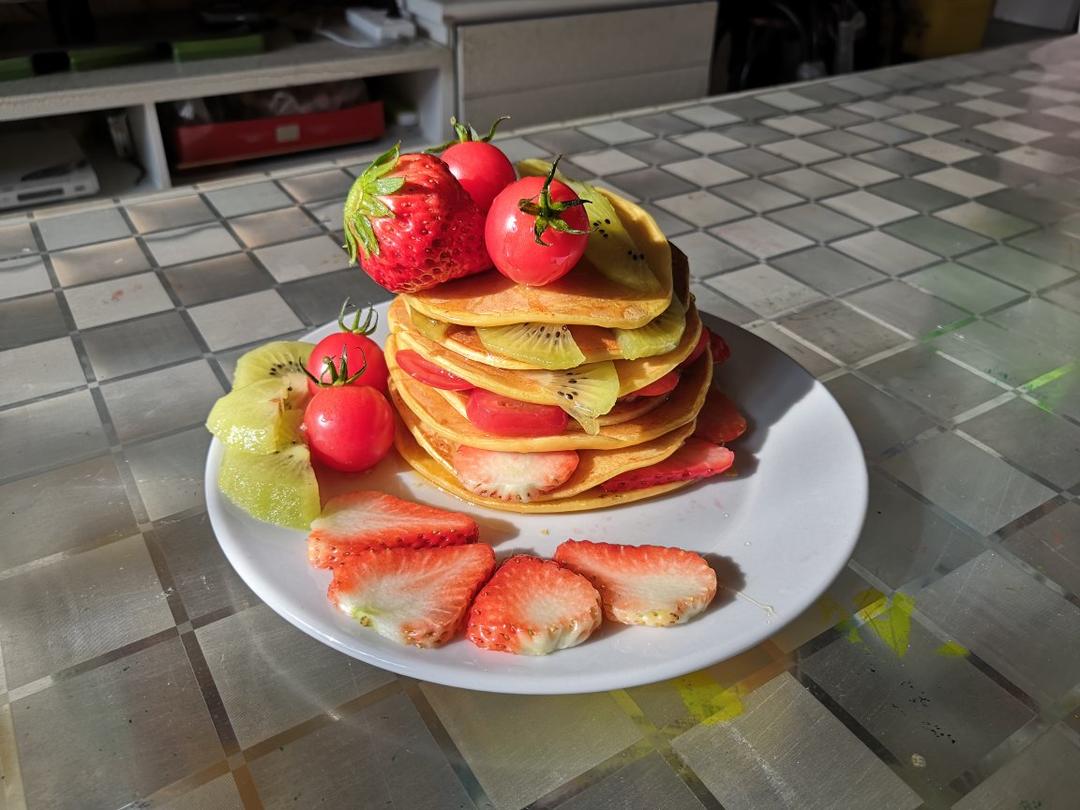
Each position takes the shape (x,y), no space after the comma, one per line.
(1048,377)
(893,626)
(950,649)
(707,700)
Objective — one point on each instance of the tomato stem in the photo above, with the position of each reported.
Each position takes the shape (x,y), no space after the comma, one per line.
(339,375)
(466,133)
(548,213)
(371,320)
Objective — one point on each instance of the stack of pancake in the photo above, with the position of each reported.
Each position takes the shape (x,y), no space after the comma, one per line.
(585,343)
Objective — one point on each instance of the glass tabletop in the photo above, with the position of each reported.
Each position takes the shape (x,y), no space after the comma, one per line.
(911,236)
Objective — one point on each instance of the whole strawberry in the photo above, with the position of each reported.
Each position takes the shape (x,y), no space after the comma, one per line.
(412,223)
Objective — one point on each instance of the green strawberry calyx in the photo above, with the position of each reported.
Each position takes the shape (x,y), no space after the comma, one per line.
(364,203)
(547,212)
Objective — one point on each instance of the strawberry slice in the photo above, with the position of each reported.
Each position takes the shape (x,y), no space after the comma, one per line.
(652,585)
(719,348)
(415,596)
(657,388)
(533,607)
(360,520)
(719,420)
(696,459)
(699,347)
(512,476)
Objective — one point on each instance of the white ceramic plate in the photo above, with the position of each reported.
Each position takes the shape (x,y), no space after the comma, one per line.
(778,534)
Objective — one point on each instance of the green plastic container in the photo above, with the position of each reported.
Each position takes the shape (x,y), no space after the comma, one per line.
(190,50)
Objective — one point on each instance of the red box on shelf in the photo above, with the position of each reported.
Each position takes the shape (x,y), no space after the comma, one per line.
(229,141)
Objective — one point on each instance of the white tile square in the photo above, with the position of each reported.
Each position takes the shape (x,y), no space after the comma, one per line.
(190,244)
(1052,93)
(117,300)
(39,369)
(917,122)
(974,89)
(708,143)
(960,182)
(869,208)
(1012,131)
(766,291)
(704,171)
(1069,112)
(994,108)
(872,109)
(794,124)
(886,253)
(858,85)
(707,115)
(941,151)
(911,103)
(245,319)
(612,132)
(800,151)
(303,259)
(608,161)
(702,208)
(774,751)
(760,237)
(23,275)
(1041,159)
(856,172)
(786,100)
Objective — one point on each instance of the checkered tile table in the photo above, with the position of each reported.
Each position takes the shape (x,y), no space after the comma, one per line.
(911,236)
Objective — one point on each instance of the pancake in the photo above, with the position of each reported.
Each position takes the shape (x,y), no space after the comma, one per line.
(622,412)
(439,418)
(431,470)
(594,466)
(597,343)
(583,296)
(532,385)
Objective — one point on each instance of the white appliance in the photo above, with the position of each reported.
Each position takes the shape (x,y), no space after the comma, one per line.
(38,166)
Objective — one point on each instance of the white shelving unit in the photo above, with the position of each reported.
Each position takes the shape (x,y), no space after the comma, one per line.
(421,73)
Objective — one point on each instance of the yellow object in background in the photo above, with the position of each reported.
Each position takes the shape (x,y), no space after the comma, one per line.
(944,27)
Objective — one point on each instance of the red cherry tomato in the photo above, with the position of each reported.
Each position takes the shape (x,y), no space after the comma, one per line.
(422,369)
(503,416)
(536,230)
(349,428)
(481,168)
(657,388)
(358,349)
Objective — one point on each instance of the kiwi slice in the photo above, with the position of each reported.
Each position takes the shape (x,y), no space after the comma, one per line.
(279,488)
(586,393)
(272,360)
(262,417)
(544,345)
(610,249)
(659,336)
(430,328)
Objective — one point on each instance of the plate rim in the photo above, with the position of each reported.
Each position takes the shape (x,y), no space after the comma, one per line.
(535,684)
